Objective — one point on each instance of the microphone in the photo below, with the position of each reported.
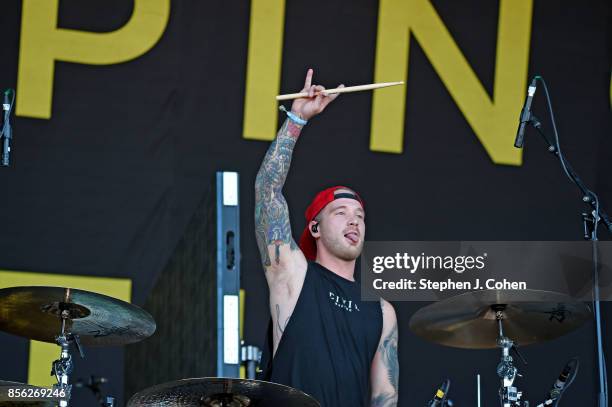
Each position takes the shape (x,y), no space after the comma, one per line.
(568,372)
(439,399)
(6,129)
(525,115)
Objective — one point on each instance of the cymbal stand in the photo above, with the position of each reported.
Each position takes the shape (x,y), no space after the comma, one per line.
(509,395)
(62,367)
(250,355)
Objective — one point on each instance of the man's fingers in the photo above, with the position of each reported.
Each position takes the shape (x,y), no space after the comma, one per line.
(327,99)
(321,97)
(311,91)
(308,81)
(318,92)
(335,95)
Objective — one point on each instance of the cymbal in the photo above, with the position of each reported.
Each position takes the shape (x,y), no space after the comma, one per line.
(221,392)
(98,320)
(529,316)
(48,403)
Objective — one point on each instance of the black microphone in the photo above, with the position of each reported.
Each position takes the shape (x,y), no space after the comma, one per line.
(525,115)
(568,372)
(6,129)
(439,399)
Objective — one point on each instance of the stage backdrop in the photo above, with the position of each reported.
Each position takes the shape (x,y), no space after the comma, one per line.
(125,109)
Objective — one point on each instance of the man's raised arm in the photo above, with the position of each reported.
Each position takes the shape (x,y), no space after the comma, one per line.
(272,228)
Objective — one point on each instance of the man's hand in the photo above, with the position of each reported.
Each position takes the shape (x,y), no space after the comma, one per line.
(311,106)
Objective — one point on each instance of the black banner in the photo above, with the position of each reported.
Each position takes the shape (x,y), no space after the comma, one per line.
(124,111)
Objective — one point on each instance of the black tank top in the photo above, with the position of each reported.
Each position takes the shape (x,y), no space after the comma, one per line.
(329,342)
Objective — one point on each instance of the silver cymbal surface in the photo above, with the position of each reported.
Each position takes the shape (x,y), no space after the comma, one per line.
(98,320)
(529,316)
(221,392)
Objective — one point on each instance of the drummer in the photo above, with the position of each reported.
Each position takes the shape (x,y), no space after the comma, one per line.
(323,339)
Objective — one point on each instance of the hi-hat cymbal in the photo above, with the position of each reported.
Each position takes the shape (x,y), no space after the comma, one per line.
(98,320)
(4,383)
(221,392)
(529,316)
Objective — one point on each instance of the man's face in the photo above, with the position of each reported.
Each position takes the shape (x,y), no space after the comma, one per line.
(342,227)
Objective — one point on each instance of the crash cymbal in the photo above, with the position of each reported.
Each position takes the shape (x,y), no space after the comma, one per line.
(221,392)
(529,316)
(4,383)
(98,320)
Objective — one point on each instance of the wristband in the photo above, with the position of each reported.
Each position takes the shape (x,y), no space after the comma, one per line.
(293,117)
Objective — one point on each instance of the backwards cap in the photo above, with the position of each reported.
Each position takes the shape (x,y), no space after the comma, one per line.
(323,198)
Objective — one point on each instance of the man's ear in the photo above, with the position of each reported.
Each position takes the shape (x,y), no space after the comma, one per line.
(314,228)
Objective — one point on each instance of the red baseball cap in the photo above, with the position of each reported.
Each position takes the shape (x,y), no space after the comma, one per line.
(323,198)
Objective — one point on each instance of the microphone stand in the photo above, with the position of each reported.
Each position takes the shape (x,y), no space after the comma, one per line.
(587,195)
(6,134)
(590,221)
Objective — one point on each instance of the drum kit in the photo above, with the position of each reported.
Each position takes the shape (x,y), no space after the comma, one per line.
(67,316)
(476,320)
(505,319)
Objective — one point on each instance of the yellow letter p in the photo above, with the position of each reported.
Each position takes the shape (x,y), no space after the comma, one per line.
(42,43)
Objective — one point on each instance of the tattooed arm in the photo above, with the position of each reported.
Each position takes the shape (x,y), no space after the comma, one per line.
(272,228)
(384,376)
(284,263)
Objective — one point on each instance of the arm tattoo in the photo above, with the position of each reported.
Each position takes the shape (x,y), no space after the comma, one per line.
(271,212)
(388,351)
(384,400)
(388,355)
(280,328)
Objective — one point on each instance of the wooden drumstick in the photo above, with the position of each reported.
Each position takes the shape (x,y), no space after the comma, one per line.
(358,88)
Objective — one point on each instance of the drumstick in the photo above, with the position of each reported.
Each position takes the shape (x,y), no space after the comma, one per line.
(358,88)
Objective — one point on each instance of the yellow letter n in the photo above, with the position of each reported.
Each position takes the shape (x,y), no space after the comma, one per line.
(42,43)
(493,121)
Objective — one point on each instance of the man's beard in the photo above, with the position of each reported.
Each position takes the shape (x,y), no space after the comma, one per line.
(346,253)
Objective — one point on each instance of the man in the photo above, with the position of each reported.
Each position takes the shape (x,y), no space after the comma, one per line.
(325,341)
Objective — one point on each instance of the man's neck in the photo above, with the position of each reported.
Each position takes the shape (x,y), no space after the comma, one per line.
(343,268)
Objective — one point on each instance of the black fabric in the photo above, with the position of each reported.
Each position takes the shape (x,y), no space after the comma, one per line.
(328,345)
(107,186)
(346,195)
